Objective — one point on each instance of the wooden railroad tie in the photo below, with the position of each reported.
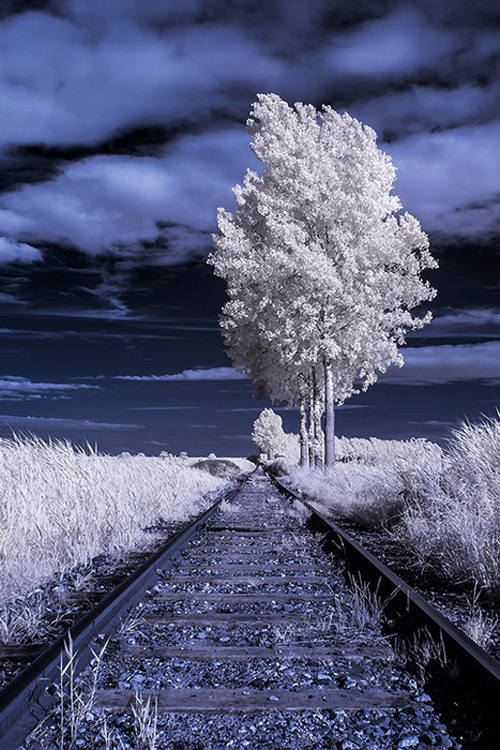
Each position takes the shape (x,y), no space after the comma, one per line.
(211,577)
(247,653)
(223,700)
(200,596)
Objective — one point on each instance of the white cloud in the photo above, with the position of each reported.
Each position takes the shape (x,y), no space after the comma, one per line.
(19,252)
(354,406)
(106,68)
(432,422)
(15,388)
(423,366)
(15,422)
(418,108)
(65,82)
(10,299)
(114,203)
(94,204)
(465,322)
(161,408)
(449,363)
(210,373)
(451,180)
(399,43)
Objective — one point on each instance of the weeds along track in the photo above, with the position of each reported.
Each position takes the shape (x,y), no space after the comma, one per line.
(244,633)
(460,675)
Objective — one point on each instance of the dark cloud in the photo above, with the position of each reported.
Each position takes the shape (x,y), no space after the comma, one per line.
(123,130)
(126,106)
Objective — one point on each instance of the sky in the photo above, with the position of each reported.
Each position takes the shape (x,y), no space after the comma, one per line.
(122,129)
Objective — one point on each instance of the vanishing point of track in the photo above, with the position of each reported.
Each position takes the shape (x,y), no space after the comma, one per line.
(251,620)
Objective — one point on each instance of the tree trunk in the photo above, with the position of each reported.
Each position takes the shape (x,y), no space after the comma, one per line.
(310,441)
(329,417)
(319,434)
(317,431)
(304,440)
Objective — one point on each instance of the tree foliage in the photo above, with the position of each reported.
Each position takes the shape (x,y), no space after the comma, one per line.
(269,437)
(322,266)
(268,432)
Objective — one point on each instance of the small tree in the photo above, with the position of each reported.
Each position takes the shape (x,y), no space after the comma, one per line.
(290,448)
(268,433)
(270,438)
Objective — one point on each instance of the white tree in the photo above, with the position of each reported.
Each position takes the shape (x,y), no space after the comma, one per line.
(322,267)
(268,432)
(270,438)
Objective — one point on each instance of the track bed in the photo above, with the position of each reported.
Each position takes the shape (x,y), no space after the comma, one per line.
(251,638)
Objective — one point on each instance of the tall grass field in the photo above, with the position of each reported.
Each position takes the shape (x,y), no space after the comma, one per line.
(60,506)
(442,504)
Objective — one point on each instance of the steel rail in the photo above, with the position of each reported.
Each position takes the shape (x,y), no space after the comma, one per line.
(473,671)
(27,699)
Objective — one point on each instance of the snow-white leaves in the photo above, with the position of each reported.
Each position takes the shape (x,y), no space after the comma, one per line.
(320,264)
(269,436)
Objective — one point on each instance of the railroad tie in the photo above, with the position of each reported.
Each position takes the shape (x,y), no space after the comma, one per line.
(205,700)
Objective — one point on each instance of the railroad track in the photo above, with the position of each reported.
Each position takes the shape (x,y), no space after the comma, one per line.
(242,633)
(29,696)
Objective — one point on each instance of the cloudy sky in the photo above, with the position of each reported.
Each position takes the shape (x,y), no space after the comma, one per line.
(122,130)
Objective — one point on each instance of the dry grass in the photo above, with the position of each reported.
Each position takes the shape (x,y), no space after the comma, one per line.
(422,654)
(61,506)
(367,490)
(445,505)
(453,522)
(481,627)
